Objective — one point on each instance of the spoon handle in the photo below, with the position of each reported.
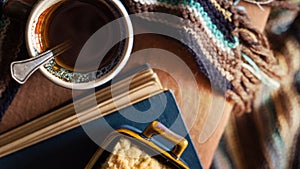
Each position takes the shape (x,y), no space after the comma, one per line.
(22,70)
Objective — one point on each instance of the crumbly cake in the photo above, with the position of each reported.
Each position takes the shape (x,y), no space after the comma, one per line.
(128,156)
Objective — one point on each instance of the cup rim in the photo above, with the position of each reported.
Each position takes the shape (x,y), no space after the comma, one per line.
(41,6)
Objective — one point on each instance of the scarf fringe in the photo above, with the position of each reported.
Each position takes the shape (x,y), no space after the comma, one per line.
(258,65)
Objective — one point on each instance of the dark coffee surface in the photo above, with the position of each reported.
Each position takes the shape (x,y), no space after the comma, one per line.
(77,21)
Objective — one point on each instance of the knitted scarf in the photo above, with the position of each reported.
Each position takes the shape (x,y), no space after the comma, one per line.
(11,48)
(269,137)
(233,46)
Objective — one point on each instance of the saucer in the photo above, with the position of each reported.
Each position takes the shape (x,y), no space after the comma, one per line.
(77,77)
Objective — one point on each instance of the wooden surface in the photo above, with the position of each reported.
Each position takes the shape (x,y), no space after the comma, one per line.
(192,90)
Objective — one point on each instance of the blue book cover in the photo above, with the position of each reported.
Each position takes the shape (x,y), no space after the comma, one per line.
(73,149)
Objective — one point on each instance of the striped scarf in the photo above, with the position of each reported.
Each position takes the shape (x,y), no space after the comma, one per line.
(236,49)
(269,137)
(11,48)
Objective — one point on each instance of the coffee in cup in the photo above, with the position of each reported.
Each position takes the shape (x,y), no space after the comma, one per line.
(53,22)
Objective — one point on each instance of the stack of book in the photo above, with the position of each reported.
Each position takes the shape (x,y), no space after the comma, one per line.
(64,138)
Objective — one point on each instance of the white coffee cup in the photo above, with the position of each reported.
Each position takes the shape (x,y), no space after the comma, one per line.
(36,32)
